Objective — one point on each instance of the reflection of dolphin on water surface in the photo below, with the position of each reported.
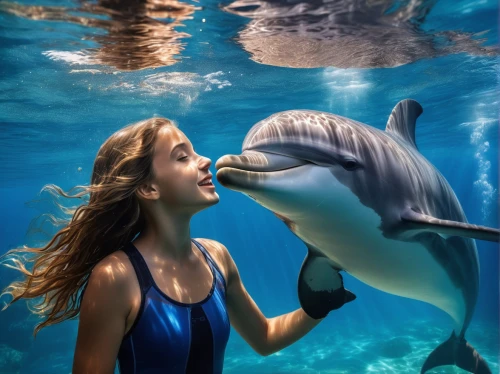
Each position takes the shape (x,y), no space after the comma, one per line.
(368,202)
(346,33)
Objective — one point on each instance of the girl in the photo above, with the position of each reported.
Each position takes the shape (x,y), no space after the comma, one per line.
(147,294)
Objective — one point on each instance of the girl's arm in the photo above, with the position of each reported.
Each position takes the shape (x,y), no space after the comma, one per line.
(265,335)
(103,315)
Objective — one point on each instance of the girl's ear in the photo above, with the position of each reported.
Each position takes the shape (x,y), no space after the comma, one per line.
(148,191)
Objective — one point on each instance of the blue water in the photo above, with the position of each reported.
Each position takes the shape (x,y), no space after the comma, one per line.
(58,104)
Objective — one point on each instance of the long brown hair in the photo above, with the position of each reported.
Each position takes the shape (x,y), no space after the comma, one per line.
(109,218)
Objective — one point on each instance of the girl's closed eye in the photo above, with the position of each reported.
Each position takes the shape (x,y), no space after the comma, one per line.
(182,158)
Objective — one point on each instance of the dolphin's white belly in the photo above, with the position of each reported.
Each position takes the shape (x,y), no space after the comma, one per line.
(353,241)
(399,268)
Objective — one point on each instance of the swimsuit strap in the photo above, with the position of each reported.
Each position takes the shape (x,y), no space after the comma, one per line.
(141,268)
(144,276)
(210,260)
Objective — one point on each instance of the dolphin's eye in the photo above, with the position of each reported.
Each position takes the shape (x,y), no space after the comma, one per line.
(350,165)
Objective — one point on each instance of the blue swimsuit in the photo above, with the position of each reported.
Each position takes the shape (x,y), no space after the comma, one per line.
(170,337)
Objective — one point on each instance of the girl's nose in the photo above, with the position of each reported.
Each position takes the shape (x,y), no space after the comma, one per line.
(205,162)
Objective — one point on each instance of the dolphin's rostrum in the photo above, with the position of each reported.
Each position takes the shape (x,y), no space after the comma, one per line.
(367,202)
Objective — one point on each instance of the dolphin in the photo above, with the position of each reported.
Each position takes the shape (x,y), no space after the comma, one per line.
(367,202)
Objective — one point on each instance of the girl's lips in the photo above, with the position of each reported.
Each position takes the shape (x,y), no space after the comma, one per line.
(204,181)
(211,185)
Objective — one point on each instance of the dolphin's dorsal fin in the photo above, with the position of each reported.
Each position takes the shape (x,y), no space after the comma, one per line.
(403,118)
(419,221)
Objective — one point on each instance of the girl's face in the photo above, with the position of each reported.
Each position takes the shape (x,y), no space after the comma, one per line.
(181,174)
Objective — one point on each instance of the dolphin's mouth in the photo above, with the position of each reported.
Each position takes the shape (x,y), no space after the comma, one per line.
(250,167)
(258,162)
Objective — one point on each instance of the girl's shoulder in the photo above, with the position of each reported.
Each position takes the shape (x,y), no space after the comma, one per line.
(115,267)
(110,285)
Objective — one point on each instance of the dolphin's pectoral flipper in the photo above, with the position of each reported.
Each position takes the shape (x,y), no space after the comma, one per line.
(456,351)
(321,287)
(418,221)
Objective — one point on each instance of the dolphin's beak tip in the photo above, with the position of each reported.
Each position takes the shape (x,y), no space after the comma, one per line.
(222,161)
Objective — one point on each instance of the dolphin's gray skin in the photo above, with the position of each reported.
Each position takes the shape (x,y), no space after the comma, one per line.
(368,202)
(346,33)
